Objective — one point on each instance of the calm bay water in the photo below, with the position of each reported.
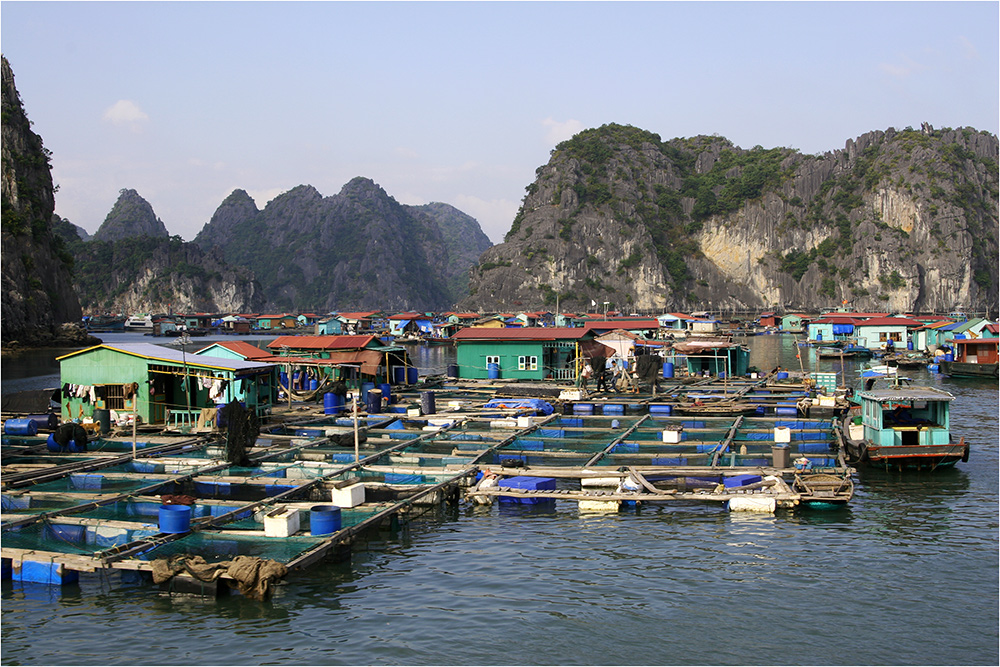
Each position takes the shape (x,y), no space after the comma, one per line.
(908,574)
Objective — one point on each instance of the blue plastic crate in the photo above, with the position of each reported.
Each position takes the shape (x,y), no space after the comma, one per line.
(740,480)
(535,483)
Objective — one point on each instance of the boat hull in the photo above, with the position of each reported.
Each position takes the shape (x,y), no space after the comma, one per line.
(907,456)
(965,369)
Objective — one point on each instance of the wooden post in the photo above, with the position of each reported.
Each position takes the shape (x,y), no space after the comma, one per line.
(354,408)
(135,399)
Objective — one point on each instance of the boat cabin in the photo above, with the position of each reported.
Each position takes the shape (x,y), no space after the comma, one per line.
(907,424)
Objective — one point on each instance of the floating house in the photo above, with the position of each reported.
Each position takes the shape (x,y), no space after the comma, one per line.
(707,356)
(874,333)
(355,323)
(329,326)
(526,353)
(173,386)
(410,323)
(794,323)
(768,319)
(341,357)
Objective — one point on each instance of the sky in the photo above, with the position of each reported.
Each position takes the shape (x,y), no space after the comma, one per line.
(460,102)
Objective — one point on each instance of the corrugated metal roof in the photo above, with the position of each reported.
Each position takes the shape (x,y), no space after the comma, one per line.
(347,342)
(906,394)
(159,353)
(522,333)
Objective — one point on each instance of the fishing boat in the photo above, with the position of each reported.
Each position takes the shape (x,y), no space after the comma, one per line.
(903,427)
(976,357)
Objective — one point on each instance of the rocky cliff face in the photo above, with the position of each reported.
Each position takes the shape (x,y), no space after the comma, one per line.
(464,242)
(38,295)
(148,275)
(130,216)
(896,221)
(353,250)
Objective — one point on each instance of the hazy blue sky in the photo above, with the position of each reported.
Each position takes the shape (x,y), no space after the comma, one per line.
(461,102)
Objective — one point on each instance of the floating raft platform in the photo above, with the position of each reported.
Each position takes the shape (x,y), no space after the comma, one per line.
(315,483)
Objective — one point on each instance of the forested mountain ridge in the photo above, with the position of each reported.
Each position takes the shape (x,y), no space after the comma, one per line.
(358,249)
(897,220)
(38,297)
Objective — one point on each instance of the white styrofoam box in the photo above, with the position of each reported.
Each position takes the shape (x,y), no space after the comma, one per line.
(349,496)
(782,434)
(766,504)
(672,435)
(413,412)
(525,421)
(571,395)
(454,406)
(599,505)
(827,401)
(503,423)
(612,482)
(281,522)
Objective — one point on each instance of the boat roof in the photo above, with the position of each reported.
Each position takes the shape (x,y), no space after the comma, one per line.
(906,394)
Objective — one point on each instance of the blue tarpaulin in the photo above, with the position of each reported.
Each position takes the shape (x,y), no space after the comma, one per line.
(843,329)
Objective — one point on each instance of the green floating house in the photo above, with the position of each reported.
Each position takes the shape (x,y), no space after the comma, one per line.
(173,386)
(525,353)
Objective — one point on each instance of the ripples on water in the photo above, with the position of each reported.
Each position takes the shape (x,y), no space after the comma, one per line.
(908,574)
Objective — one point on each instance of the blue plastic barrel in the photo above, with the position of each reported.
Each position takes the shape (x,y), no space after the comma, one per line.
(48,421)
(313,385)
(386,390)
(453,370)
(373,401)
(949,356)
(819,336)
(583,408)
(51,444)
(365,388)
(909,345)
(20,427)
(493,370)
(332,403)
(175,518)
(411,375)
(782,375)
(668,370)
(427,406)
(399,374)
(324,519)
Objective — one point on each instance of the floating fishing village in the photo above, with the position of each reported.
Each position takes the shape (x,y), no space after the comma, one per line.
(205,468)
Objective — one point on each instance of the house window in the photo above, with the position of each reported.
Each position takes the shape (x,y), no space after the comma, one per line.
(492,360)
(527,363)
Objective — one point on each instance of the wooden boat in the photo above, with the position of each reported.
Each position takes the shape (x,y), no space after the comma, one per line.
(975,357)
(904,427)
(823,489)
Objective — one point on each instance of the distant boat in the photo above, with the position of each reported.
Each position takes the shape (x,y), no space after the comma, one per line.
(105,323)
(139,323)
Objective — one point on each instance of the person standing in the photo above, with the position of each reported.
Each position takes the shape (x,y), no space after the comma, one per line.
(585,374)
